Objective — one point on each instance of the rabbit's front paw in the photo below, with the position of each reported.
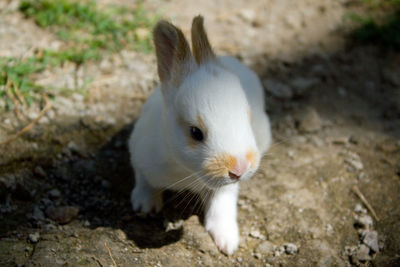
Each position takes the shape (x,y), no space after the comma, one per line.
(225,234)
(145,199)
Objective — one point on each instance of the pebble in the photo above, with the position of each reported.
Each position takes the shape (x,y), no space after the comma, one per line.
(362,253)
(391,76)
(355,164)
(40,172)
(247,15)
(257,234)
(364,221)
(170,226)
(265,248)
(34,238)
(290,248)
(38,214)
(370,238)
(359,209)
(63,214)
(54,193)
(257,255)
(301,85)
(277,89)
(309,121)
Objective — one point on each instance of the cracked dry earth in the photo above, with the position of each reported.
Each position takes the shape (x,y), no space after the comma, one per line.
(334,107)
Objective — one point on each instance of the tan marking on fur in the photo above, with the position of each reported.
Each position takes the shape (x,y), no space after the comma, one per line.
(200,121)
(220,166)
(202,50)
(252,157)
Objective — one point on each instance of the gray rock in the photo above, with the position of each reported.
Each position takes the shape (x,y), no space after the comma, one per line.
(301,85)
(309,121)
(38,214)
(290,248)
(265,248)
(359,209)
(370,238)
(362,253)
(391,76)
(277,89)
(34,238)
(257,234)
(364,221)
(247,15)
(54,193)
(62,215)
(170,226)
(40,172)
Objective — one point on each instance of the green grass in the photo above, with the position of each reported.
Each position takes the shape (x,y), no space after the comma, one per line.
(88,33)
(381,26)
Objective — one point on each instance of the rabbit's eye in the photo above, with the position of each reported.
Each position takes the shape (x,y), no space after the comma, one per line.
(196,134)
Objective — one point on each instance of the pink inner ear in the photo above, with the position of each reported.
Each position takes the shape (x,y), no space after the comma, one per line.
(166,49)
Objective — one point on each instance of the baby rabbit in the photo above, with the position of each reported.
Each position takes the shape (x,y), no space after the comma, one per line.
(203,129)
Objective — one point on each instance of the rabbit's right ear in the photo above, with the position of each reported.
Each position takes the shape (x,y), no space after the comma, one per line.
(174,59)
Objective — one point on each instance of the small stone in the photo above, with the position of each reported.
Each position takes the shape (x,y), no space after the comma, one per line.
(63,214)
(257,255)
(343,140)
(170,226)
(257,234)
(355,164)
(73,147)
(54,193)
(278,90)
(32,115)
(364,221)
(391,76)
(105,184)
(290,248)
(247,14)
(362,253)
(34,238)
(388,146)
(370,238)
(309,121)
(301,85)
(40,172)
(265,248)
(239,259)
(38,214)
(342,91)
(359,209)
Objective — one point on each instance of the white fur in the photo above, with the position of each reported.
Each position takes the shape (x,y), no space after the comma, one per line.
(220,91)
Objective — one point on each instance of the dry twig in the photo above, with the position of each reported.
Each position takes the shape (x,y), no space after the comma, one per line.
(357,191)
(109,253)
(19,95)
(31,124)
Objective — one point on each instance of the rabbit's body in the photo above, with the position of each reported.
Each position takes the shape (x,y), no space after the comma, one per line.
(202,129)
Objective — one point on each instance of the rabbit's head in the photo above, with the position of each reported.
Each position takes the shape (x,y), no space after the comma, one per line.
(207,118)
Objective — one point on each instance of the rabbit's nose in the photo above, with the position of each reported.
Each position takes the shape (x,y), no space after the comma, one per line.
(239,169)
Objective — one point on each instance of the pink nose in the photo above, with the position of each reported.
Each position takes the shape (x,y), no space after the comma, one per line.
(239,169)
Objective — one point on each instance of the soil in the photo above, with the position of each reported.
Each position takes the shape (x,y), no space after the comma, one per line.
(335,111)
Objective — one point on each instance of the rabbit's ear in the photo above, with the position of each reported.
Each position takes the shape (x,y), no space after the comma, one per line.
(174,58)
(201,47)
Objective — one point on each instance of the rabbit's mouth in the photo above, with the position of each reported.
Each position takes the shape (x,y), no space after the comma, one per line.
(216,183)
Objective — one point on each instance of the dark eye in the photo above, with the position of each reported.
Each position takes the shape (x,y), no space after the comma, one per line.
(196,134)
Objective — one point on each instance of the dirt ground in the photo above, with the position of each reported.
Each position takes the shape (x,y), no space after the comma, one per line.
(335,111)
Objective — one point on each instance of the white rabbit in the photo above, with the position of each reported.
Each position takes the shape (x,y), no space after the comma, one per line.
(203,129)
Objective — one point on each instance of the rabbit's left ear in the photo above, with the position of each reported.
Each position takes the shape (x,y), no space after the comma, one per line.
(202,50)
